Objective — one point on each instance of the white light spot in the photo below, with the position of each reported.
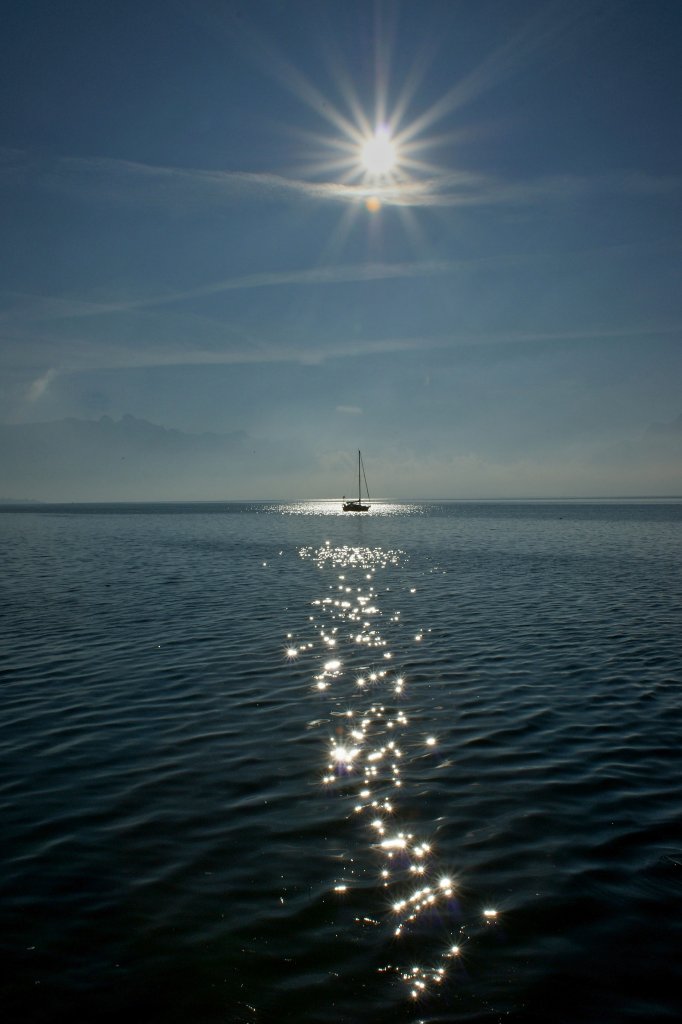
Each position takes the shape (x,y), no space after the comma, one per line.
(398,843)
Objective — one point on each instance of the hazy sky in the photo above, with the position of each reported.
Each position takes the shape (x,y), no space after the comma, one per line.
(190,237)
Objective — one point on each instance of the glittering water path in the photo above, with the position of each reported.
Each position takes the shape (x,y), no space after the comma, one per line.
(265,763)
(366,683)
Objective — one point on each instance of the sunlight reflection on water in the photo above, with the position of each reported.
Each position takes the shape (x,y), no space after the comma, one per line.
(333,507)
(367,762)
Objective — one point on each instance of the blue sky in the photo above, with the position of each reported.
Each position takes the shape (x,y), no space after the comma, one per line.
(190,237)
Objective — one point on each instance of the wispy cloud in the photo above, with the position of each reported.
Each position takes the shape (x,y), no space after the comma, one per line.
(34,308)
(349,410)
(107,180)
(78,354)
(39,386)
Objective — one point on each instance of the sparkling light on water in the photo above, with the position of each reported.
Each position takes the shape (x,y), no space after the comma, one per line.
(364,758)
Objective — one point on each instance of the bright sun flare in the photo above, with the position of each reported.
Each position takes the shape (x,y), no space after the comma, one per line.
(378,153)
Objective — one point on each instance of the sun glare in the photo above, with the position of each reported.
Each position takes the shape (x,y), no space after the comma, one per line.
(378,153)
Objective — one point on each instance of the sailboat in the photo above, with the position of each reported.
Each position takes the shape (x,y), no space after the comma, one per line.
(358,506)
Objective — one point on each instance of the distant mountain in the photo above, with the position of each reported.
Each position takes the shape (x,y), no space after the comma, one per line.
(130,458)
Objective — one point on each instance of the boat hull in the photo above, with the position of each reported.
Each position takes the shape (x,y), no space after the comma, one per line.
(354,506)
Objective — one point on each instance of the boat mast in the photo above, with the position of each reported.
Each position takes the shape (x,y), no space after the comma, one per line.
(359,488)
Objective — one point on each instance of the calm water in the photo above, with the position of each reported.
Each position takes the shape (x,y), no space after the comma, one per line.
(270,763)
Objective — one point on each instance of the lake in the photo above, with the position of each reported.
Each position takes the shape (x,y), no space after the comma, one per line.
(272,762)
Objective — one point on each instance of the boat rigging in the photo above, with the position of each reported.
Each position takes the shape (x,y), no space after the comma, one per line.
(358,506)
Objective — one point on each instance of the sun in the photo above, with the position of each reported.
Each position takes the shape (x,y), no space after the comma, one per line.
(378,153)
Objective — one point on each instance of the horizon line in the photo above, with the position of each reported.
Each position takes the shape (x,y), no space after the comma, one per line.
(373,501)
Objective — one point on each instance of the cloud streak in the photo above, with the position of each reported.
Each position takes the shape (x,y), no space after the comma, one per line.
(78,355)
(42,308)
(115,181)
(39,386)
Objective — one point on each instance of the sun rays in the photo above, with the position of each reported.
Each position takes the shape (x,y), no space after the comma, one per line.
(370,162)
(385,159)
(384,138)
(373,147)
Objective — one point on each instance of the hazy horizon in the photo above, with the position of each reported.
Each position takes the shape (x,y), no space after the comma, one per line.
(135,460)
(238,245)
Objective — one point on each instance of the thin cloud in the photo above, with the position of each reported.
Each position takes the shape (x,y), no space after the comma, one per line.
(349,410)
(23,308)
(79,355)
(44,308)
(39,386)
(105,180)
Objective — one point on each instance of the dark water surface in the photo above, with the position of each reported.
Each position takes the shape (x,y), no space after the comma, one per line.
(270,763)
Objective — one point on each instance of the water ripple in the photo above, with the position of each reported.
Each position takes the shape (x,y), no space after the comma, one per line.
(180,771)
